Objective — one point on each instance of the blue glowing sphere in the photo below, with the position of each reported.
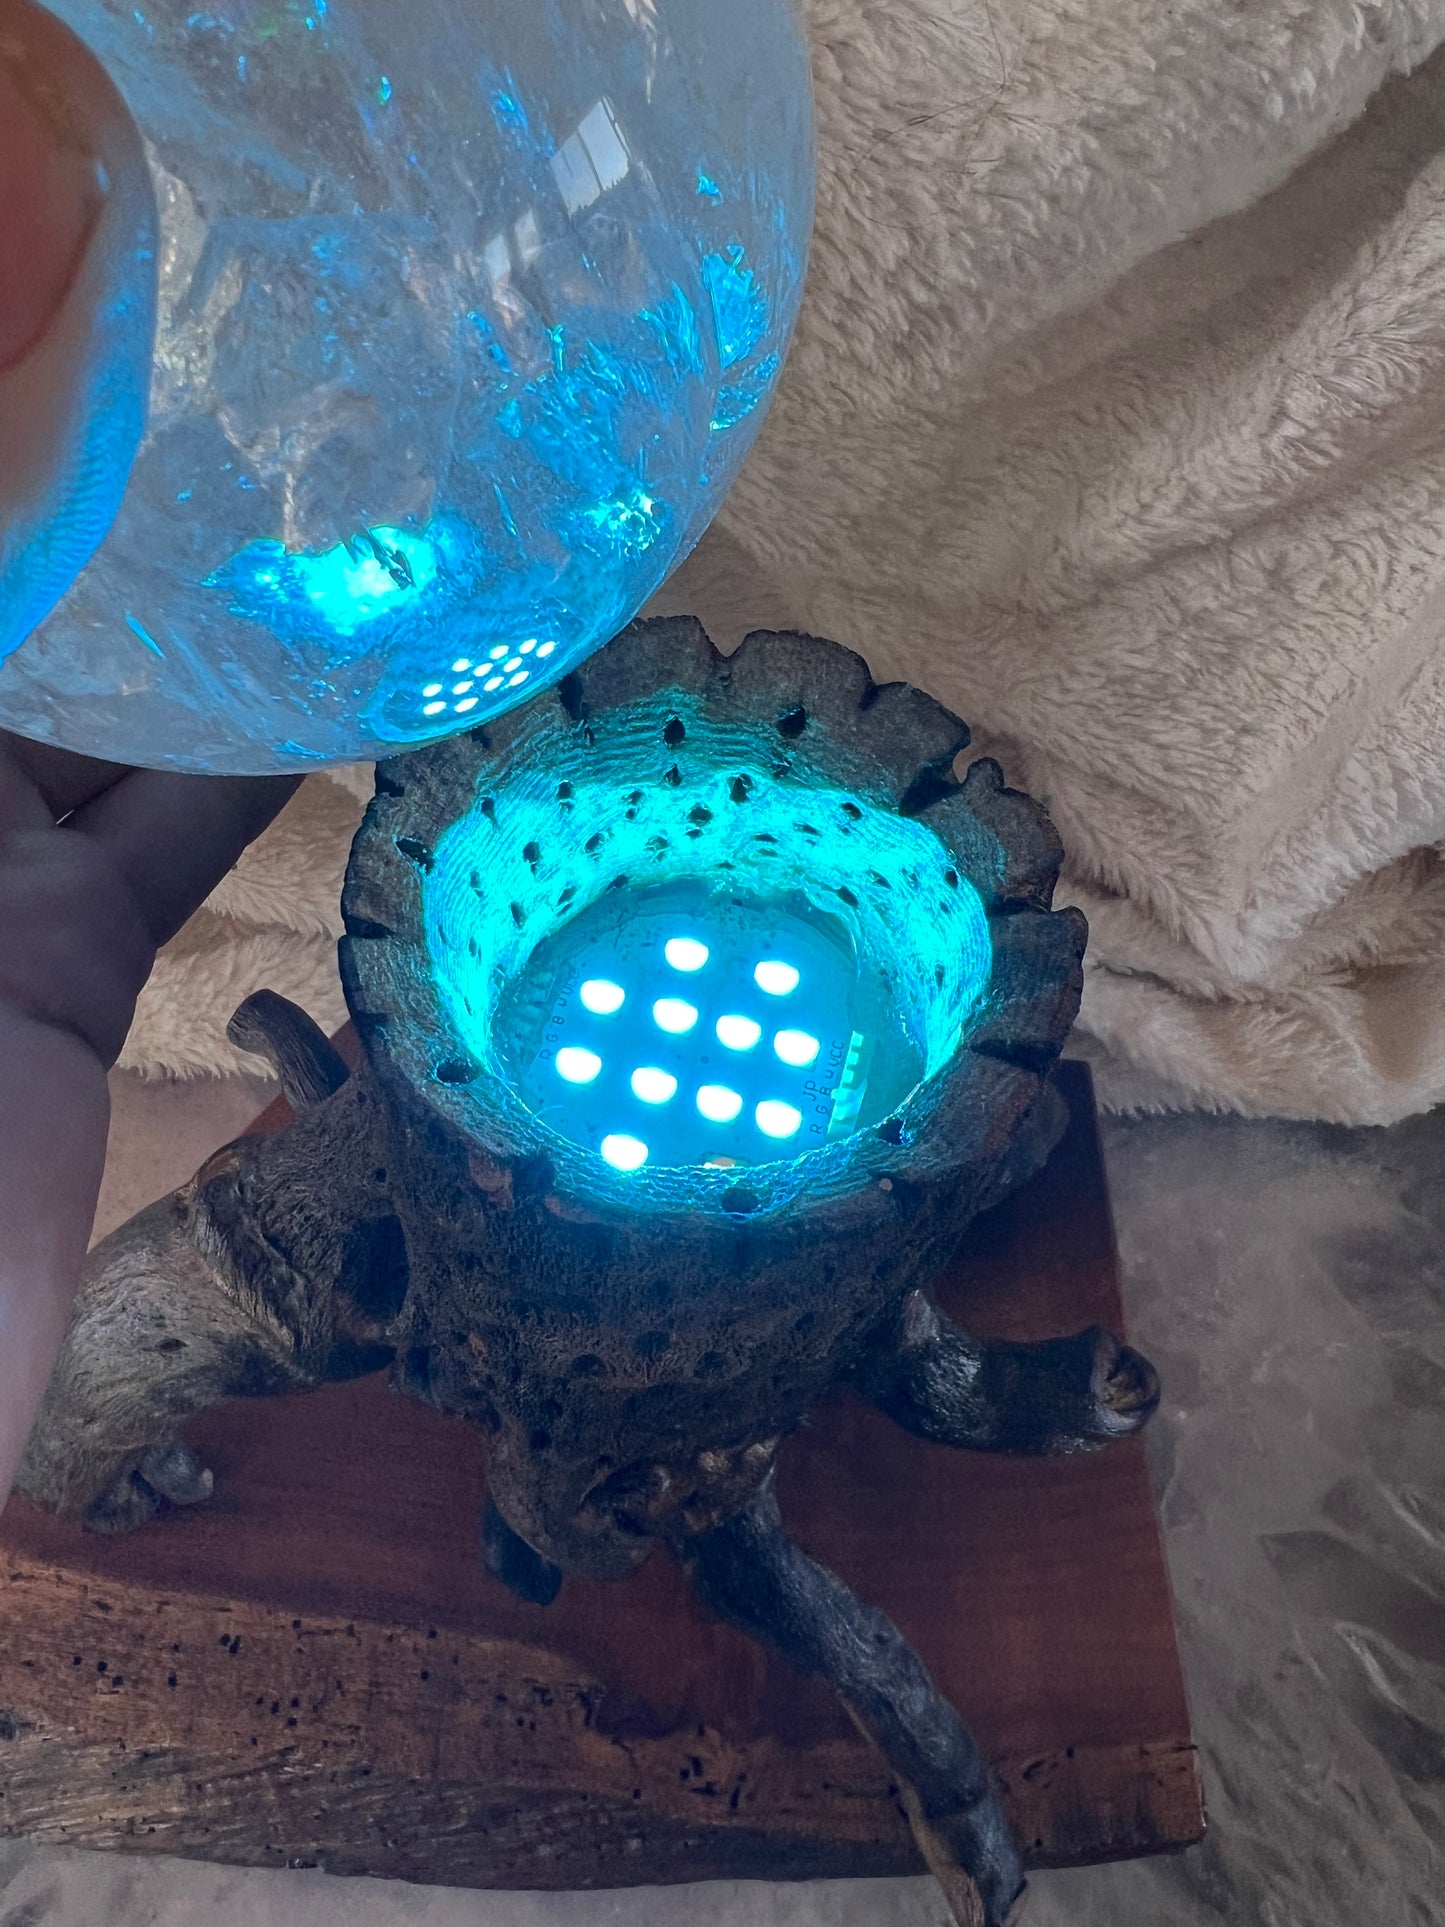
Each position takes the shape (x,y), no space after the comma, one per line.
(468,316)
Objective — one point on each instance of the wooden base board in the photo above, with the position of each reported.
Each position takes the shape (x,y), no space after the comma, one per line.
(315,1670)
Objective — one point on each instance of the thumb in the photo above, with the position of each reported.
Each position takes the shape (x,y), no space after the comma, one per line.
(77,294)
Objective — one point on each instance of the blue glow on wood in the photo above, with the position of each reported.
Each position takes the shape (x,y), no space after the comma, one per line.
(841,969)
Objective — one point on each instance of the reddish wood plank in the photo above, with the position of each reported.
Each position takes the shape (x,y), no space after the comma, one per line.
(619,1735)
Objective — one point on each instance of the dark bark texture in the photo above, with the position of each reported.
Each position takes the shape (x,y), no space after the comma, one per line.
(631,1370)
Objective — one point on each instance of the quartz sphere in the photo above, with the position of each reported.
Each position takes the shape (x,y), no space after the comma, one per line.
(468,315)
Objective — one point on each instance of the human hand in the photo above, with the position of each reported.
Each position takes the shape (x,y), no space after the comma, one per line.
(98,864)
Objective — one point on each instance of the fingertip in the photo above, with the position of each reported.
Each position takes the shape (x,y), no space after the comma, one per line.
(79,334)
(50,190)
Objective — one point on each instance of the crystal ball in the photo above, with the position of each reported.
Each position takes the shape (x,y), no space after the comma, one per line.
(467,318)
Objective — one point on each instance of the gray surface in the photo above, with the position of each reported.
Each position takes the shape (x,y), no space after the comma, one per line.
(1289,1281)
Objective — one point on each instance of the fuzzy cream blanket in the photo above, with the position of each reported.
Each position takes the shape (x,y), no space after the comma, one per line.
(1117,420)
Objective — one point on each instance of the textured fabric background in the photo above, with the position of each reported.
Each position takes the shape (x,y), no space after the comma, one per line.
(1117,420)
